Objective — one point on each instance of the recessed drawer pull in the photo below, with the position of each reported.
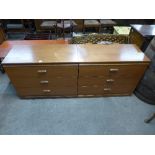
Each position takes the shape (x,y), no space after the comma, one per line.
(43,82)
(46,91)
(110,80)
(107,89)
(114,70)
(42,71)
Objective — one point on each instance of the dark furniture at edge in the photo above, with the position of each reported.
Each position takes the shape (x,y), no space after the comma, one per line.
(141,35)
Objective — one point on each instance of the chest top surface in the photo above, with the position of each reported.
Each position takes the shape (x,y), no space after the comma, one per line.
(64,53)
(55,53)
(110,53)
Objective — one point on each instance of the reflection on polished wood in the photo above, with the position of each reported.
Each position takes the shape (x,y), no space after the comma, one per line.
(56,53)
(6,46)
(63,53)
(12,43)
(110,53)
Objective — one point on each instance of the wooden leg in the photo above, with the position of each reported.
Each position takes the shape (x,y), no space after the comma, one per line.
(150,118)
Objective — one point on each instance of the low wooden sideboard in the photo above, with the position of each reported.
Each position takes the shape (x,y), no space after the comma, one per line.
(62,70)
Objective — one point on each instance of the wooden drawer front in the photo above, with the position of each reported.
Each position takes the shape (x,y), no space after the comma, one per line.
(43,82)
(100,86)
(48,91)
(91,90)
(99,90)
(90,81)
(102,90)
(42,71)
(108,71)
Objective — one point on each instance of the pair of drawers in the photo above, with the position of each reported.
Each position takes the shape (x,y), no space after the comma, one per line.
(108,79)
(47,80)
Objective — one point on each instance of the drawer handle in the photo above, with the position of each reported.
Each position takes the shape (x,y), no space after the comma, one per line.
(107,89)
(110,80)
(43,82)
(84,86)
(114,70)
(46,91)
(42,71)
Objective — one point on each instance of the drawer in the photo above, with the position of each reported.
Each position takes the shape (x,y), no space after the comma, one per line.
(118,87)
(88,81)
(117,70)
(91,90)
(42,70)
(96,90)
(48,91)
(43,82)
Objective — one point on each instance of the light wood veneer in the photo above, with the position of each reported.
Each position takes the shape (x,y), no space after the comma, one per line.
(75,70)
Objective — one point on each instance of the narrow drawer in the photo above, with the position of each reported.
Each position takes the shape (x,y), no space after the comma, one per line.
(42,70)
(43,82)
(117,70)
(48,91)
(106,81)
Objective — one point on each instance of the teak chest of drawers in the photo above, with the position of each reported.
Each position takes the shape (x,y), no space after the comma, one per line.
(75,70)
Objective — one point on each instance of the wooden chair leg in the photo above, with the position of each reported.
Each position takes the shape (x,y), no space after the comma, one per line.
(55,31)
(63,33)
(148,120)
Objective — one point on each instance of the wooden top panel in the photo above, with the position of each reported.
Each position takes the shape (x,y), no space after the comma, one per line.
(145,30)
(110,53)
(8,43)
(55,53)
(6,46)
(63,53)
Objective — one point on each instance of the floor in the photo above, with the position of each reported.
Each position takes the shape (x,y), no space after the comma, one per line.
(101,116)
